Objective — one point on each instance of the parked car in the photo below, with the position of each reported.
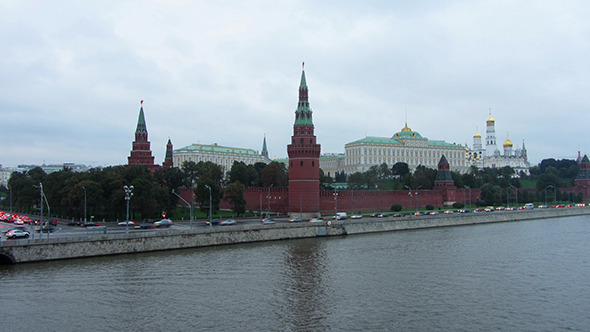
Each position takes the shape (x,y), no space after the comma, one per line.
(228,222)
(163,223)
(17,233)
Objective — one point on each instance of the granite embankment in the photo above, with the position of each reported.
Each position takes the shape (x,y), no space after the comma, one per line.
(112,244)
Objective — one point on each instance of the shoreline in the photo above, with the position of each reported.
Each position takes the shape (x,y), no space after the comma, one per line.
(38,250)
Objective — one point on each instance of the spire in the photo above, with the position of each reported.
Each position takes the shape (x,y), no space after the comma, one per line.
(303,112)
(141,127)
(264,149)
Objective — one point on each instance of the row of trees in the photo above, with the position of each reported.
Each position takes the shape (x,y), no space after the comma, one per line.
(100,191)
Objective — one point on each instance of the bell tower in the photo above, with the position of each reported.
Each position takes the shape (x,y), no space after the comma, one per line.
(304,160)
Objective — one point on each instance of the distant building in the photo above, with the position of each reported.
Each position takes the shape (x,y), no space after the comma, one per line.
(491,155)
(223,156)
(406,146)
(332,163)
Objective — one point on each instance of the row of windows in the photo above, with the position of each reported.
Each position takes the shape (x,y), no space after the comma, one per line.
(402,153)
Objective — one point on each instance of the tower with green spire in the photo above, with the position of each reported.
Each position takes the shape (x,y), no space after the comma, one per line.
(304,160)
(264,148)
(141,153)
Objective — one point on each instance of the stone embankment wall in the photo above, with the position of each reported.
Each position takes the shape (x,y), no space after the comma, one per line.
(112,244)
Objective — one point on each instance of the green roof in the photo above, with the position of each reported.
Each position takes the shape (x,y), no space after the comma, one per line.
(217,149)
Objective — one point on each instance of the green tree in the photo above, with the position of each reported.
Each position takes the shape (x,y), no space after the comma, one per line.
(274,174)
(491,194)
(234,193)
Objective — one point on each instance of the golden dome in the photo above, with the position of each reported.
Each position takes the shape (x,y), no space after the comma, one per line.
(477,135)
(406,128)
(508,143)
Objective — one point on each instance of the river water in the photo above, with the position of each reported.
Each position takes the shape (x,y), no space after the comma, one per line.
(521,276)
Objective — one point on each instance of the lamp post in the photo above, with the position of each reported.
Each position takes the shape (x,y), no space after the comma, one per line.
(410,194)
(268,200)
(190,205)
(84,203)
(516,195)
(10,192)
(335,194)
(469,188)
(549,186)
(210,205)
(128,194)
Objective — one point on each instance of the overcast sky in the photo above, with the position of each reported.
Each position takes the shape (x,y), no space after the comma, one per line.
(72,74)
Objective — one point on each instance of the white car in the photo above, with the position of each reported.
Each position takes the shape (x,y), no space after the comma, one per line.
(125,223)
(163,223)
(17,233)
(356,216)
(228,222)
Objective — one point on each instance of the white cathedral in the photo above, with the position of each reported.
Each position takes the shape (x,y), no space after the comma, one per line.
(491,155)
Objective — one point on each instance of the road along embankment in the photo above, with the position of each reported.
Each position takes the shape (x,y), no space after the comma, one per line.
(408,223)
(20,251)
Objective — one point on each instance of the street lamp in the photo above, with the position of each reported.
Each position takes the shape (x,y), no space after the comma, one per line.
(10,190)
(468,187)
(210,205)
(268,199)
(128,194)
(84,203)
(335,194)
(516,190)
(190,205)
(549,186)
(410,194)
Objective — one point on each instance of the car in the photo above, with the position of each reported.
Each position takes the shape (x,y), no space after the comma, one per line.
(295,220)
(543,206)
(268,221)
(213,222)
(383,215)
(433,213)
(500,208)
(146,226)
(90,224)
(448,211)
(397,215)
(163,223)
(356,216)
(316,220)
(228,222)
(17,233)
(125,223)
(74,223)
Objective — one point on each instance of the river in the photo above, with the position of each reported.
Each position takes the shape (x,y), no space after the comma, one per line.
(524,276)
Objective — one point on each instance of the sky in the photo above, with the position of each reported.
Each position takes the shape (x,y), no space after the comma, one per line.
(72,74)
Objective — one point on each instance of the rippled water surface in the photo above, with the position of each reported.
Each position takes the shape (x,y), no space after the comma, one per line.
(525,276)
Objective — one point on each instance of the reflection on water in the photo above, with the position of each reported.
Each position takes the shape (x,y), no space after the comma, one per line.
(302,284)
(527,276)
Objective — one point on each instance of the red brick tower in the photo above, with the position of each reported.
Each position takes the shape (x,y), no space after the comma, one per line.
(168,162)
(141,153)
(582,182)
(304,161)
